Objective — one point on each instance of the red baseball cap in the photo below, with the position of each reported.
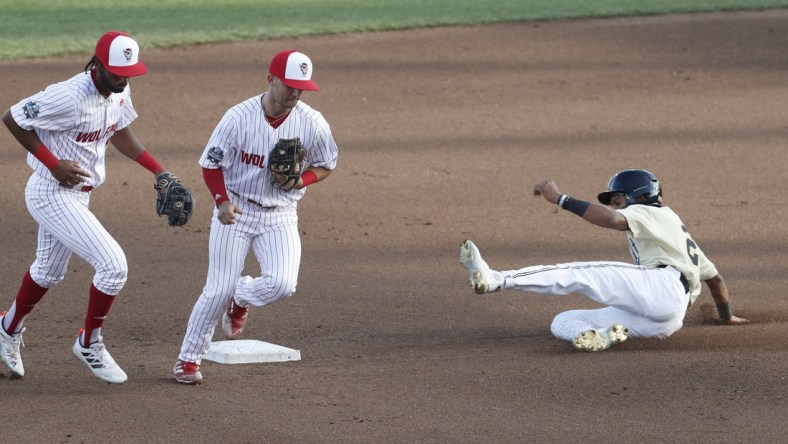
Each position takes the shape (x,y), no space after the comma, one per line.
(119,53)
(294,69)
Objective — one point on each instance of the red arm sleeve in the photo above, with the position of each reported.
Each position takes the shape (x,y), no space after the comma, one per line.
(214,179)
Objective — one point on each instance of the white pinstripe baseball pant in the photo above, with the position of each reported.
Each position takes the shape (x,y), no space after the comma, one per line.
(67,226)
(649,301)
(273,237)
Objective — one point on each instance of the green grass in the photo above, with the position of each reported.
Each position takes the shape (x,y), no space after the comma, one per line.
(35,28)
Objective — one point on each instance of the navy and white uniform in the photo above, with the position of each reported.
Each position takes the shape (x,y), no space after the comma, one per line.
(650,297)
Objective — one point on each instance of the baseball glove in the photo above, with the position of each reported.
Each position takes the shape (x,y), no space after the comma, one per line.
(173,199)
(285,159)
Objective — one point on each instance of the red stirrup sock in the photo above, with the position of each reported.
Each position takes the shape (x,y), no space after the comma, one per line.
(28,296)
(98,306)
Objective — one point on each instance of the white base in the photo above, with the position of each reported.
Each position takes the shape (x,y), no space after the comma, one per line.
(245,351)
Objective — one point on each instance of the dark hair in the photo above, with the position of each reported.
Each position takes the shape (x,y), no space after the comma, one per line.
(91,64)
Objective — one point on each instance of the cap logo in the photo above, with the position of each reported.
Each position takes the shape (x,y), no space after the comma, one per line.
(294,69)
(119,53)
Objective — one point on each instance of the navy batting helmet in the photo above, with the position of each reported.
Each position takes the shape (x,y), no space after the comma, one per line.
(633,184)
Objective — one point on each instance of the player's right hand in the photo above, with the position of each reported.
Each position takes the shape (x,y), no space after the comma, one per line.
(228,213)
(734,320)
(70,173)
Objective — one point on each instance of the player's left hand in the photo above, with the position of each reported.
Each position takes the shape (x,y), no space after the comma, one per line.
(547,189)
(281,179)
(173,198)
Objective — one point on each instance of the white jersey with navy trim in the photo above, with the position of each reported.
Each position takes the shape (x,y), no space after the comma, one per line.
(242,140)
(657,236)
(75,122)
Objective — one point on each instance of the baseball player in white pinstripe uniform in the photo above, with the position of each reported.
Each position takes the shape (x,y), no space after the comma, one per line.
(646,299)
(252,210)
(66,129)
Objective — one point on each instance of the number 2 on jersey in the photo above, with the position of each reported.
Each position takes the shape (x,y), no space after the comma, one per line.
(692,247)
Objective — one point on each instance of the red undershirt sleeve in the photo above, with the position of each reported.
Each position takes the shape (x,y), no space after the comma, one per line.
(214,179)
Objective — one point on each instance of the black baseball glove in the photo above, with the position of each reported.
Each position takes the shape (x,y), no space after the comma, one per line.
(173,199)
(285,159)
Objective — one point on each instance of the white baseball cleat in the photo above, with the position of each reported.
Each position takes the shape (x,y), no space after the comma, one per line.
(481,278)
(187,372)
(598,340)
(9,351)
(100,362)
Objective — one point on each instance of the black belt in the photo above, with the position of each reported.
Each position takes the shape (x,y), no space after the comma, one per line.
(252,202)
(684,282)
(683,279)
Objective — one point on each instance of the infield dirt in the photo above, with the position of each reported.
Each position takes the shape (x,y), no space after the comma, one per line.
(442,134)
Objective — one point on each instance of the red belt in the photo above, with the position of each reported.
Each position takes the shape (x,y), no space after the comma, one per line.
(83,188)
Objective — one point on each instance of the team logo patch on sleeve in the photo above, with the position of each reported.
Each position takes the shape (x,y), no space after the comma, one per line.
(215,154)
(31,110)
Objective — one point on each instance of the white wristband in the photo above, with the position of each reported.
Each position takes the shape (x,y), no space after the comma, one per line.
(561,200)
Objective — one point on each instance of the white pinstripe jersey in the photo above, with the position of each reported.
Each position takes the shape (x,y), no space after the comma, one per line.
(75,122)
(242,140)
(657,236)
